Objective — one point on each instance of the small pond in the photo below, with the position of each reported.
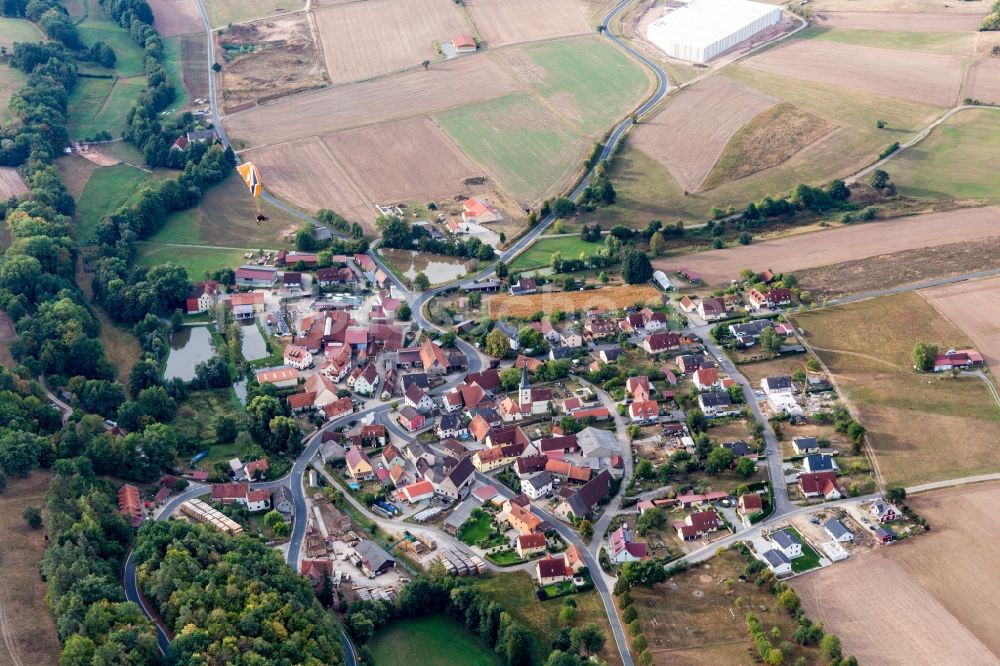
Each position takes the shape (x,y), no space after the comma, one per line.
(188,347)
(437,267)
(253,344)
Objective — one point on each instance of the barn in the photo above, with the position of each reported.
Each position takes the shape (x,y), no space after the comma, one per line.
(702,29)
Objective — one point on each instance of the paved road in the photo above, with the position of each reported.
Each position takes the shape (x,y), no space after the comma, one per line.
(621,430)
(64,410)
(913,286)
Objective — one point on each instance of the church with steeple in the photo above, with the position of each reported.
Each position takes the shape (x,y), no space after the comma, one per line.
(527,402)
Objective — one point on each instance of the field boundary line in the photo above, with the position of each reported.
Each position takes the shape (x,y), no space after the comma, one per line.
(859,354)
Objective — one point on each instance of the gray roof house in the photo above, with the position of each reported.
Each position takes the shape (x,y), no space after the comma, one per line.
(837,530)
(778,562)
(283,501)
(597,446)
(374,560)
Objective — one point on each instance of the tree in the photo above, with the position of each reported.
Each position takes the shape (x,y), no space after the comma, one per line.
(657,244)
(923,356)
(533,340)
(403,312)
(563,207)
(696,421)
(502,269)
(226,427)
(719,459)
(770,341)
(789,600)
(421,282)
(895,494)
(745,238)
(654,518)
(586,530)
(745,467)
(145,373)
(829,647)
(644,469)
(588,639)
(33,516)
(636,268)
(497,345)
(879,179)
(216,67)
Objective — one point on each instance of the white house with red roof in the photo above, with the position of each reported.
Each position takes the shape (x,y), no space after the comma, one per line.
(297,357)
(623,548)
(367,380)
(476,211)
(464,43)
(324,389)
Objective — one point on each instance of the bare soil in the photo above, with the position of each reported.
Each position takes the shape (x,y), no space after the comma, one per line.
(268,59)
(688,140)
(74,171)
(510,21)
(843,244)
(766,141)
(177,17)
(919,77)
(440,87)
(889,270)
(611,298)
(976,7)
(193,70)
(26,628)
(932,586)
(11,183)
(899,21)
(983,81)
(974,307)
(366,39)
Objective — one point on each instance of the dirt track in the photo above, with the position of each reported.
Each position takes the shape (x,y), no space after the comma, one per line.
(687,139)
(843,244)
(919,77)
(973,307)
(511,21)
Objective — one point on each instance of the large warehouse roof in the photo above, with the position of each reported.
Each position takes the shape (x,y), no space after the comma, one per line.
(704,22)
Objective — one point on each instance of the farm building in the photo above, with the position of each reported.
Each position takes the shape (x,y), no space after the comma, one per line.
(703,29)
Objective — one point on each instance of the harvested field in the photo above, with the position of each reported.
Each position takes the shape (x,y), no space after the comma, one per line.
(926,78)
(74,171)
(922,427)
(766,141)
(194,74)
(975,7)
(223,12)
(291,174)
(949,43)
(11,183)
(508,21)
(974,307)
(29,635)
(983,81)
(687,140)
(526,147)
(899,21)
(839,245)
(176,17)
(441,87)
(934,585)
(611,298)
(406,33)
(889,270)
(269,59)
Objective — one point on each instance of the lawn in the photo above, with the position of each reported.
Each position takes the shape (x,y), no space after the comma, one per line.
(921,427)
(516,592)
(11,80)
(947,164)
(527,148)
(436,640)
(101,104)
(226,217)
(808,560)
(18,30)
(539,254)
(28,629)
(590,81)
(929,42)
(504,558)
(106,190)
(477,527)
(97,27)
(196,260)
(172,62)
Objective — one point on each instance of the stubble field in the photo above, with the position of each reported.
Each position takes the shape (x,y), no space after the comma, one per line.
(366,39)
(973,307)
(823,248)
(895,21)
(931,586)
(610,298)
(176,17)
(983,82)
(502,22)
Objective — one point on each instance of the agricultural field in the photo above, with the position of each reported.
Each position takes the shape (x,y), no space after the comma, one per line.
(177,17)
(186,60)
(17,30)
(527,148)
(97,105)
(225,218)
(284,48)
(973,307)
(222,13)
(948,43)
(610,298)
(899,22)
(686,140)
(983,82)
(942,611)
(74,171)
(106,190)
(822,248)
(695,618)
(944,165)
(921,427)
(98,27)
(438,639)
(516,592)
(197,260)
(11,183)
(407,33)
(29,634)
(539,254)
(500,22)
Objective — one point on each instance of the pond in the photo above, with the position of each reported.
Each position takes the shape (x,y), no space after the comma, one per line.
(188,347)
(253,344)
(240,387)
(437,267)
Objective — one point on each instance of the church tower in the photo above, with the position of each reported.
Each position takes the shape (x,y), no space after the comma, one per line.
(524,397)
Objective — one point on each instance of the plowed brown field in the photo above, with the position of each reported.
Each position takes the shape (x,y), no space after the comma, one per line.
(837,245)
(692,130)
(899,21)
(366,39)
(510,21)
(934,587)
(177,17)
(983,82)
(11,183)
(974,307)
(443,86)
(919,77)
